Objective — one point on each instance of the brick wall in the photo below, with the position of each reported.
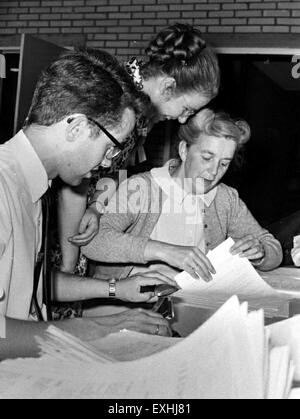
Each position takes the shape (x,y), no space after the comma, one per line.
(123,27)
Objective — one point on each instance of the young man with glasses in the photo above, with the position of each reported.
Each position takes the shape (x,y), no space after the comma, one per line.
(64,137)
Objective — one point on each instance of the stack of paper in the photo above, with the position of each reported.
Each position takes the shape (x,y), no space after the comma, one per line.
(235,276)
(228,357)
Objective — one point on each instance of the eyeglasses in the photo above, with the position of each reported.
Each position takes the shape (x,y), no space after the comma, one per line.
(113,151)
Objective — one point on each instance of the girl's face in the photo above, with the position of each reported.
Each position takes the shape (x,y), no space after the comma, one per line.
(180,107)
(206,162)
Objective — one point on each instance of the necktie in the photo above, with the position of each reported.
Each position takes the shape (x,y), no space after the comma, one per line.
(43,263)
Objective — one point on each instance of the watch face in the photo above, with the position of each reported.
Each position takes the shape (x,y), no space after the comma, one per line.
(112,288)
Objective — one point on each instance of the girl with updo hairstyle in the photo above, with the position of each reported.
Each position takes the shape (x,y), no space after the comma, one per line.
(179,76)
(184,210)
(180,52)
(181,73)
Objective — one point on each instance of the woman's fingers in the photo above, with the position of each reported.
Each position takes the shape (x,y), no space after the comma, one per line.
(243,244)
(199,272)
(155,278)
(249,247)
(203,259)
(235,250)
(199,266)
(255,253)
(150,313)
(145,321)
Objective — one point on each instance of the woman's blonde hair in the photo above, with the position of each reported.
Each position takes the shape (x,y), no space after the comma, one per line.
(216,124)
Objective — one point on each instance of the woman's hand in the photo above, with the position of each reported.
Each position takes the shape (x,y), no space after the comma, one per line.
(138,320)
(88,228)
(129,289)
(189,259)
(249,247)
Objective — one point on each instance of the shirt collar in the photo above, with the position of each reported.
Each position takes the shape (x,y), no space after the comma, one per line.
(173,189)
(33,170)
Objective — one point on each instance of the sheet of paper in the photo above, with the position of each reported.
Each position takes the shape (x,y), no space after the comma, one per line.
(295,394)
(235,276)
(279,376)
(287,332)
(256,337)
(214,362)
(62,344)
(129,346)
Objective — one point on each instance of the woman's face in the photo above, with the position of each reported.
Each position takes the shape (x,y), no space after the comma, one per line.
(181,107)
(206,162)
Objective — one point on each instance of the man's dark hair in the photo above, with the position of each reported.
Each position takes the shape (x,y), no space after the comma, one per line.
(89,82)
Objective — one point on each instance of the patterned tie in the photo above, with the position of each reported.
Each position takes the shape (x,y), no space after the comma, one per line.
(43,263)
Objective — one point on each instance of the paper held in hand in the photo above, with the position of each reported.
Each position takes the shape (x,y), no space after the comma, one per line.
(235,276)
(231,356)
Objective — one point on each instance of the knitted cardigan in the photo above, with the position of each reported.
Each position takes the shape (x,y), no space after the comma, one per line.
(135,209)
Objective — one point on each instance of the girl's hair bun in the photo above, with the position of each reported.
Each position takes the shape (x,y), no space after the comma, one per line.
(180,42)
(179,51)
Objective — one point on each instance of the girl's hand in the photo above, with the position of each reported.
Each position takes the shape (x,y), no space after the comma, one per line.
(88,228)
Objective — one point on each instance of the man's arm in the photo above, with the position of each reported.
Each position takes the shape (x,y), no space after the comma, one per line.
(69,287)
(20,335)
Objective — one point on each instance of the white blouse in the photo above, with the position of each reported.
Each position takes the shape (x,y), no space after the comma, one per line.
(182,219)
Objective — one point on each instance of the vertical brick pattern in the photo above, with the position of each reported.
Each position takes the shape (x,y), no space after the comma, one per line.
(123,27)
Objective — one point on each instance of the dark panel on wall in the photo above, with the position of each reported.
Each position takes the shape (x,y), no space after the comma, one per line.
(36,55)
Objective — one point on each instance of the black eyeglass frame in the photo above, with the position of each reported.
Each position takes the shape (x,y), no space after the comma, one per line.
(120,146)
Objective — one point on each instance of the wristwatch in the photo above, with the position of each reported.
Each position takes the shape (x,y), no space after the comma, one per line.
(112,288)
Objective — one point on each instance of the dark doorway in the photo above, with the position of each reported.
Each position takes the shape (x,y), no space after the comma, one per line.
(8,97)
(263,91)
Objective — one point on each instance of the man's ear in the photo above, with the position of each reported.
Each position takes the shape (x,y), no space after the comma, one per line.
(76,128)
(127,122)
(183,150)
(167,87)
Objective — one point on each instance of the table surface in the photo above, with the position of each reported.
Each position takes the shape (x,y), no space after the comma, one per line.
(286,280)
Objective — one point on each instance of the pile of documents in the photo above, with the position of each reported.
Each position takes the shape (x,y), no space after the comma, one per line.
(231,356)
(235,276)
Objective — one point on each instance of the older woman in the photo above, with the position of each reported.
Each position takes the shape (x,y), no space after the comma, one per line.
(173,215)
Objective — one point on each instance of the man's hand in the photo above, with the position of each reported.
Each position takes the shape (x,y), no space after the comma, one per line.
(249,247)
(138,320)
(191,260)
(129,289)
(88,228)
